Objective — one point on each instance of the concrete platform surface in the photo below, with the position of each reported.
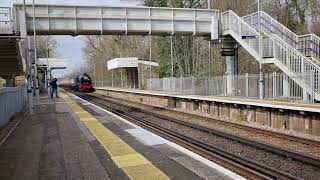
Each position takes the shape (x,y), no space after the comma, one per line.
(68,138)
(268,103)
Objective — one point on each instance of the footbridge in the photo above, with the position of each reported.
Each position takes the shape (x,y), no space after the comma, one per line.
(90,20)
(297,56)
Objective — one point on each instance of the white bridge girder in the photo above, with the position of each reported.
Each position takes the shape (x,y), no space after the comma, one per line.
(91,20)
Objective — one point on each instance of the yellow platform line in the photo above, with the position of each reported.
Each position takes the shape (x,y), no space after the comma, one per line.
(125,157)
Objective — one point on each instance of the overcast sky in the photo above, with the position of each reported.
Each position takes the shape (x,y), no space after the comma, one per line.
(70,47)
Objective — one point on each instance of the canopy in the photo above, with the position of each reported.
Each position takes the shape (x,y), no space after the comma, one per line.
(54,63)
(127,62)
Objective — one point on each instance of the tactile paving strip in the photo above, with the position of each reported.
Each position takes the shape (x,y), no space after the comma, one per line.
(134,164)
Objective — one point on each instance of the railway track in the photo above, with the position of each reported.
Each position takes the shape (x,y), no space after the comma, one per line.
(259,131)
(241,165)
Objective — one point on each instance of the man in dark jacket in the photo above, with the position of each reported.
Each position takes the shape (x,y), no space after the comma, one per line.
(54,87)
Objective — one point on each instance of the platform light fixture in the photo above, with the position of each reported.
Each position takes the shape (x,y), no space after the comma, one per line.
(28,66)
(35,53)
(261,88)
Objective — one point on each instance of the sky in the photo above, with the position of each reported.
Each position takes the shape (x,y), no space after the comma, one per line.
(70,47)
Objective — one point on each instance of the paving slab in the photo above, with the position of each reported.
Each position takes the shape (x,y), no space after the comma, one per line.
(73,139)
(49,145)
(175,163)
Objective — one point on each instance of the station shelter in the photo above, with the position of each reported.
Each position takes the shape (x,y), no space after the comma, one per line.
(45,68)
(137,71)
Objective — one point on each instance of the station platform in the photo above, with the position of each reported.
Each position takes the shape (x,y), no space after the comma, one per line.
(69,138)
(267,103)
(294,118)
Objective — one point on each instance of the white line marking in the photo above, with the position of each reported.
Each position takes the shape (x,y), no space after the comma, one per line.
(176,146)
(22,116)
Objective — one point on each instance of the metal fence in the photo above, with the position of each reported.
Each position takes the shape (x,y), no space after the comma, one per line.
(12,100)
(6,25)
(276,86)
(115,82)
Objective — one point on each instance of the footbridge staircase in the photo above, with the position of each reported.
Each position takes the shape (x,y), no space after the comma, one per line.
(11,64)
(292,54)
(308,44)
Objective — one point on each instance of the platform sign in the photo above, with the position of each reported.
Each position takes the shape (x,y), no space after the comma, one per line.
(228,51)
(249,37)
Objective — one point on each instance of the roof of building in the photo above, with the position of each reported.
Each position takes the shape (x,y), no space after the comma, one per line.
(128,62)
(54,63)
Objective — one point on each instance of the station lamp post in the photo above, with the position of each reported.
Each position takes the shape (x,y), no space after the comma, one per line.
(35,53)
(28,65)
(209,45)
(261,80)
(48,76)
(171,54)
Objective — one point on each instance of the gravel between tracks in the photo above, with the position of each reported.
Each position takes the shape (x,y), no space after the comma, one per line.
(279,162)
(283,143)
(290,166)
(210,123)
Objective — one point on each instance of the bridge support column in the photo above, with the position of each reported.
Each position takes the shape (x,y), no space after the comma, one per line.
(232,72)
(26,46)
(286,87)
(304,95)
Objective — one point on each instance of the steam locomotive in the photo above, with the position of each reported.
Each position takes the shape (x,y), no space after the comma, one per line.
(80,83)
(83,83)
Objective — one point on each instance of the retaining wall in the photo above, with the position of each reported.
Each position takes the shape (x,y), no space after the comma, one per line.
(12,100)
(279,118)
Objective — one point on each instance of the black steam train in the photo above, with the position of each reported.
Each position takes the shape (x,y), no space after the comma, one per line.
(83,83)
(80,83)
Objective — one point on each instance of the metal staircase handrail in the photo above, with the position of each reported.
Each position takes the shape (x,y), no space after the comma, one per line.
(293,62)
(275,22)
(248,31)
(275,36)
(241,20)
(296,39)
(310,34)
(287,29)
(300,65)
(6,23)
(315,42)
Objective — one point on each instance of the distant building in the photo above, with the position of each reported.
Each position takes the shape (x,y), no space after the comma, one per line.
(136,72)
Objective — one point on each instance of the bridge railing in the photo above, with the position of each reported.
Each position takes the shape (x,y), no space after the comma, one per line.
(12,100)
(117,20)
(287,58)
(297,62)
(231,21)
(6,25)
(271,26)
(308,44)
(277,86)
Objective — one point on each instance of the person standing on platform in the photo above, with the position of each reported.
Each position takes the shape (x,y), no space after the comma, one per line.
(54,87)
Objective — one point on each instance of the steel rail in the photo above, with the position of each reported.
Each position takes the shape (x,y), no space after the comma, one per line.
(256,168)
(241,126)
(308,159)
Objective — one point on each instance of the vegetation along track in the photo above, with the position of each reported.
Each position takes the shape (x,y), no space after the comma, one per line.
(247,157)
